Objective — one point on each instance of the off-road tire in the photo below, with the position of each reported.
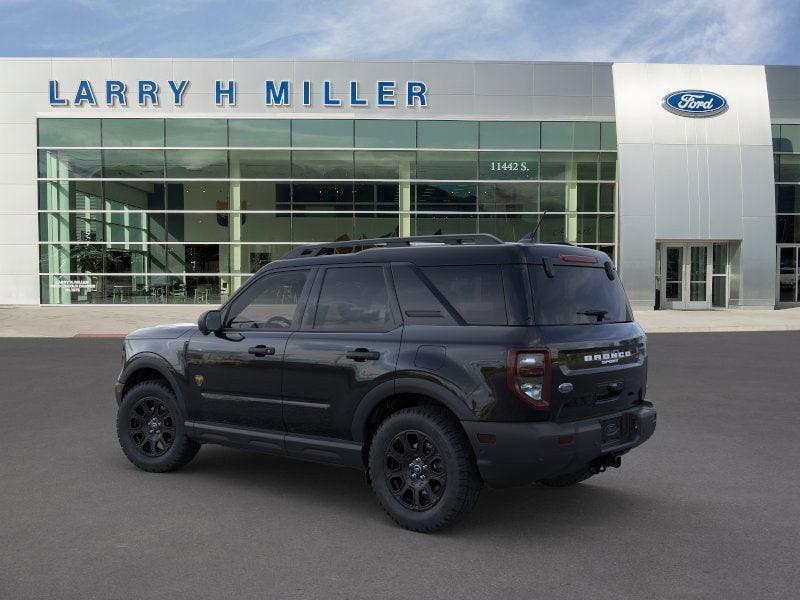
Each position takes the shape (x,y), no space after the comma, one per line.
(452,470)
(171,449)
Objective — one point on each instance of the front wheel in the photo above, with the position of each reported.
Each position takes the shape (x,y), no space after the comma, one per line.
(150,428)
(422,469)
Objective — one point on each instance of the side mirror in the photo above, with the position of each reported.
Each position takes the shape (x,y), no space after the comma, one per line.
(210,322)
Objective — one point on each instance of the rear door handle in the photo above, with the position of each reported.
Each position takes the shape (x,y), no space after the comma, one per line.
(262,350)
(362,354)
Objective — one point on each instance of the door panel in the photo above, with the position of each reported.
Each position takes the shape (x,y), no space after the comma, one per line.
(698,273)
(235,376)
(673,277)
(348,344)
(323,385)
(231,385)
(686,275)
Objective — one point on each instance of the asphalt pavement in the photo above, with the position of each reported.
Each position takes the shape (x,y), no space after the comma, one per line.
(708,508)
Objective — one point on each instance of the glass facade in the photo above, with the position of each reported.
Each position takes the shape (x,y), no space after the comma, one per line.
(184,210)
(786,148)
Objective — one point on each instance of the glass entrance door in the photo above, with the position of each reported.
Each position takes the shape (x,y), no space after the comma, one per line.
(788,291)
(686,275)
(673,276)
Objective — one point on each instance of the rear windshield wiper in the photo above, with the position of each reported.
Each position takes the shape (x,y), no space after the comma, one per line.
(599,313)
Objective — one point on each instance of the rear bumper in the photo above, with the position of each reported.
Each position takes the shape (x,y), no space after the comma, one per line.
(527,452)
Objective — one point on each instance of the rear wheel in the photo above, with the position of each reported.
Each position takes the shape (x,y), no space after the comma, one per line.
(568,479)
(422,469)
(150,428)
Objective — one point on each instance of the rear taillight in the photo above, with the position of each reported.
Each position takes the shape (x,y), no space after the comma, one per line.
(529,376)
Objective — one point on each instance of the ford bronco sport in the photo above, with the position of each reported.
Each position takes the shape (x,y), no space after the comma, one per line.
(435,364)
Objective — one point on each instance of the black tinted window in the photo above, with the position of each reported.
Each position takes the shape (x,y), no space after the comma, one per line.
(476,292)
(577,295)
(270,303)
(354,299)
(418,303)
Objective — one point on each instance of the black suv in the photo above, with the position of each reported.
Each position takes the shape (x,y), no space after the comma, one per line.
(435,364)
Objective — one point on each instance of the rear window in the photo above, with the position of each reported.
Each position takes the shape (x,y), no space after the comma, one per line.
(578,295)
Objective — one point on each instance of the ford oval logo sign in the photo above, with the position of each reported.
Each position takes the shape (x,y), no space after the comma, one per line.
(695,103)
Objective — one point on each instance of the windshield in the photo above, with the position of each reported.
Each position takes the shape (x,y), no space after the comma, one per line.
(578,295)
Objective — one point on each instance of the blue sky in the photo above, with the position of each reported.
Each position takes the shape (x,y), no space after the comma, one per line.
(711,31)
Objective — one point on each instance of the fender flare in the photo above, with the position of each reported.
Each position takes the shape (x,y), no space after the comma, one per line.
(149,360)
(407,385)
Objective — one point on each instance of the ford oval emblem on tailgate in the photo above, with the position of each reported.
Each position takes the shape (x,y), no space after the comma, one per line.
(565,388)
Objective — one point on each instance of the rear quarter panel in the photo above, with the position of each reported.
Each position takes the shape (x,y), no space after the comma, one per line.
(470,363)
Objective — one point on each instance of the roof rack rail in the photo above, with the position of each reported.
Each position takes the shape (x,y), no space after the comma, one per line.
(322,249)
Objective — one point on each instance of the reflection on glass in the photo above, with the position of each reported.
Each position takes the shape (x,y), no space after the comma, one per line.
(197,133)
(447,134)
(381,196)
(510,228)
(608,136)
(322,133)
(266,199)
(789,168)
(447,165)
(587,197)
(132,164)
(509,165)
(197,164)
(65,133)
(322,227)
(198,227)
(587,229)
(557,165)
(376,225)
(322,164)
(553,197)
(258,133)
(787,198)
(509,134)
(383,133)
(260,164)
(133,132)
(508,197)
(585,166)
(553,228)
(444,224)
(607,197)
(70,195)
(263,195)
(322,196)
(63,164)
(198,195)
(385,165)
(446,197)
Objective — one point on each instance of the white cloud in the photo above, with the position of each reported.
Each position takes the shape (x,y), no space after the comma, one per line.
(712,31)
(736,31)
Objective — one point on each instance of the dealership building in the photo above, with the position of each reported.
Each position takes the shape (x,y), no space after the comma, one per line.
(167,181)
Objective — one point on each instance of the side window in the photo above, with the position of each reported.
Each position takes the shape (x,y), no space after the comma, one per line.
(353,299)
(270,303)
(475,291)
(419,305)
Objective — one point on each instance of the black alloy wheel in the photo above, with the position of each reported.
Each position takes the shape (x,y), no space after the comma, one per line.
(415,471)
(422,468)
(152,427)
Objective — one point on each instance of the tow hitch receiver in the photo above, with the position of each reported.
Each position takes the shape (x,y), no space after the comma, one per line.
(604,462)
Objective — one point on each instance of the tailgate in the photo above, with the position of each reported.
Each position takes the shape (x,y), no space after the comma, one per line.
(596,369)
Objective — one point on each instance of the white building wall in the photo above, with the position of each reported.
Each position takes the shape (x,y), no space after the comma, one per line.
(695,178)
